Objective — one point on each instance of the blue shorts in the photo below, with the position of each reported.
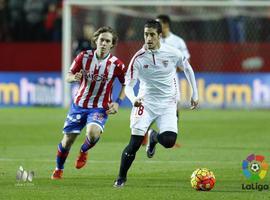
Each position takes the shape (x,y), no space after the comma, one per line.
(78,117)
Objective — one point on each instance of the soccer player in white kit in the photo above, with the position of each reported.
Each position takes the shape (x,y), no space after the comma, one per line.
(154,66)
(167,37)
(175,41)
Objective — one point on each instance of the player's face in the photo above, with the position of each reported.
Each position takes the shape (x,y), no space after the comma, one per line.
(151,38)
(164,26)
(104,43)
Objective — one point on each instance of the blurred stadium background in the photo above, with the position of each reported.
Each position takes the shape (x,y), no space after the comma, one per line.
(228,42)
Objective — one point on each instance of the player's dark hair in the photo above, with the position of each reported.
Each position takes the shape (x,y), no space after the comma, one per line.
(153,24)
(105,29)
(164,19)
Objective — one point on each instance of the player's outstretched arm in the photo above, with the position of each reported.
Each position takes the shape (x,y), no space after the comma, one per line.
(114,106)
(136,101)
(189,73)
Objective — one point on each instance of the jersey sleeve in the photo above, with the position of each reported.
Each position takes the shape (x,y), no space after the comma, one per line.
(131,80)
(189,73)
(76,65)
(183,47)
(121,71)
(180,59)
(132,72)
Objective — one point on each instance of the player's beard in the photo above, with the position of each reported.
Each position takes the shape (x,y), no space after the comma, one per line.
(149,46)
(152,46)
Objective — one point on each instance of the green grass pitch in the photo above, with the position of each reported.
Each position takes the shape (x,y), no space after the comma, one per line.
(215,139)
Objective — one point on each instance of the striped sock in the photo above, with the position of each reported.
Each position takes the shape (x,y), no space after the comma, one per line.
(61,156)
(88,144)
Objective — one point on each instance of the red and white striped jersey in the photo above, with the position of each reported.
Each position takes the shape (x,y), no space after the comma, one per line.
(98,76)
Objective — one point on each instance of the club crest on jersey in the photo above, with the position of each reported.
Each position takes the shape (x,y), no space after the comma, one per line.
(99,77)
(96,77)
(165,63)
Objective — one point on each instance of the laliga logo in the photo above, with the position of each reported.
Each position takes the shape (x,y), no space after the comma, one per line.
(255,169)
(24,176)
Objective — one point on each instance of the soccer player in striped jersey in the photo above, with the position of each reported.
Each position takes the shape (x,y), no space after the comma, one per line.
(96,71)
(154,65)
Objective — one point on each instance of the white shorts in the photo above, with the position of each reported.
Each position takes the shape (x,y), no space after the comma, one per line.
(141,119)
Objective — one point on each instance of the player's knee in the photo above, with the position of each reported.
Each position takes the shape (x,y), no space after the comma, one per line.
(68,140)
(93,130)
(93,135)
(167,139)
(134,144)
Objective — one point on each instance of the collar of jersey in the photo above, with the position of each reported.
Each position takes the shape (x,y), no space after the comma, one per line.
(95,54)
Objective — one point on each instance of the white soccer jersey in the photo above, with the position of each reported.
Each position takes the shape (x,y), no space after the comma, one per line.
(156,72)
(98,76)
(176,42)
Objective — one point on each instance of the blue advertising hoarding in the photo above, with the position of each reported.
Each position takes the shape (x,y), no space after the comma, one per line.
(218,90)
(30,89)
(229,90)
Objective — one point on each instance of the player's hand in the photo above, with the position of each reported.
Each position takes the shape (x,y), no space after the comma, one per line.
(113,108)
(194,104)
(78,75)
(137,102)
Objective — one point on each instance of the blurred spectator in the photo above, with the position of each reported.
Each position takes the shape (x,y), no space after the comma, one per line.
(4,34)
(35,13)
(266,28)
(50,20)
(124,29)
(84,42)
(41,20)
(17,25)
(236,27)
(57,33)
(53,22)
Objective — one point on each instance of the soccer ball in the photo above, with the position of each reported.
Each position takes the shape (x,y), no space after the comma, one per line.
(203,179)
(255,167)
